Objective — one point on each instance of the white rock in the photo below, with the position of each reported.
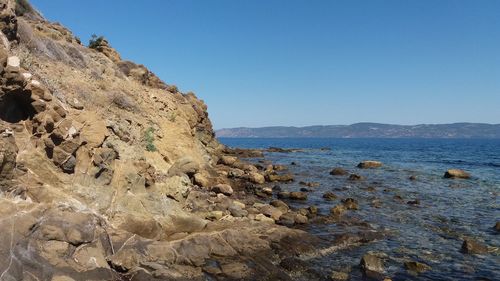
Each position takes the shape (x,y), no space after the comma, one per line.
(13,61)
(27,75)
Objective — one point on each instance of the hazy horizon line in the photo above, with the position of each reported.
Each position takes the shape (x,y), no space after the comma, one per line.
(356,123)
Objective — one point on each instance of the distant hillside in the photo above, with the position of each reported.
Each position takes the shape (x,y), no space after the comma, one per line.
(369,130)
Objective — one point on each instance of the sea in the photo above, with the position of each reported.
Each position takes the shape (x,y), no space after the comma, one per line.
(430,232)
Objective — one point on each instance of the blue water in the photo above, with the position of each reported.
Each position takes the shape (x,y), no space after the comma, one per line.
(431,232)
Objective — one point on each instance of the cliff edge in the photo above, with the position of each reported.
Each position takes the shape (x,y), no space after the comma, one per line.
(109,173)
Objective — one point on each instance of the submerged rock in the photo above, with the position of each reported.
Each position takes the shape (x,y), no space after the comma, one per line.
(339,276)
(497,226)
(355,177)
(298,195)
(329,196)
(369,164)
(470,246)
(456,173)
(416,266)
(350,203)
(338,172)
(371,263)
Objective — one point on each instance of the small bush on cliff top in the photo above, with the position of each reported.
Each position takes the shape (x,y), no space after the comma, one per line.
(23,7)
(95,41)
(150,138)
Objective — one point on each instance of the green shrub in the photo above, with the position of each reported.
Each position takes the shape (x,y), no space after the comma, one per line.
(95,41)
(23,7)
(149,137)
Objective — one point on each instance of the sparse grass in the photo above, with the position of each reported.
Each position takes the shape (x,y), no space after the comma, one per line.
(23,7)
(149,137)
(172,88)
(95,41)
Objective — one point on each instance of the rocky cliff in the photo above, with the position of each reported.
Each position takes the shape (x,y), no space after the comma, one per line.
(108,173)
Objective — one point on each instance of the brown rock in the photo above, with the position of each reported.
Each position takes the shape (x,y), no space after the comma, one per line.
(471,246)
(298,195)
(350,203)
(225,189)
(416,266)
(369,164)
(330,196)
(371,263)
(455,173)
(355,177)
(282,206)
(338,172)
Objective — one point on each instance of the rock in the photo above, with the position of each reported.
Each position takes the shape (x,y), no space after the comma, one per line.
(271,212)
(497,226)
(329,196)
(412,178)
(279,178)
(471,246)
(338,172)
(215,215)
(287,219)
(237,212)
(355,177)
(225,189)
(263,218)
(350,203)
(369,164)
(339,276)
(413,202)
(282,206)
(300,219)
(256,177)
(309,184)
(456,173)
(283,195)
(239,204)
(185,165)
(416,266)
(228,160)
(298,195)
(201,180)
(8,155)
(371,263)
(313,210)
(267,191)
(13,62)
(76,104)
(338,210)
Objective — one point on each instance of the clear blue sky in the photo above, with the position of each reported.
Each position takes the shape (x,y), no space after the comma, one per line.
(289,62)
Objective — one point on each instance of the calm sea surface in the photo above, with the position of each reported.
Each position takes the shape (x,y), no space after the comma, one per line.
(431,232)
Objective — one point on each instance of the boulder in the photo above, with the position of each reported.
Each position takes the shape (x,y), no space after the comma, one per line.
(338,210)
(371,263)
(185,165)
(225,189)
(416,266)
(456,173)
(228,160)
(298,195)
(279,178)
(329,196)
(338,172)
(282,206)
(256,177)
(339,276)
(350,203)
(355,177)
(470,246)
(497,226)
(271,212)
(369,164)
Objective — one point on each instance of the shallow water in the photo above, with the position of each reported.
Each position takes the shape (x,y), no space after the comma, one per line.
(431,232)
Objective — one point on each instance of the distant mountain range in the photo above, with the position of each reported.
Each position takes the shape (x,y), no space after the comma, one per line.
(369,130)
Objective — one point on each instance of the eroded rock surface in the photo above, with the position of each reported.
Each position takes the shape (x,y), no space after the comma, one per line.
(109,173)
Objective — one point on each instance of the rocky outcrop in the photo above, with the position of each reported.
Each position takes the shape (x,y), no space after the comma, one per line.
(456,173)
(369,164)
(108,173)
